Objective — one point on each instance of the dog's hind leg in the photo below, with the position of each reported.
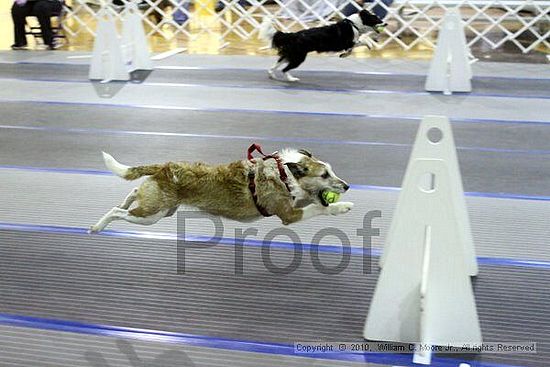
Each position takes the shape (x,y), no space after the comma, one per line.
(129,199)
(290,78)
(113,214)
(137,216)
(275,66)
(293,64)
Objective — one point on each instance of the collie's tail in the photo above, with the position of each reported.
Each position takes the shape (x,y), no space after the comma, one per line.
(127,172)
(267,30)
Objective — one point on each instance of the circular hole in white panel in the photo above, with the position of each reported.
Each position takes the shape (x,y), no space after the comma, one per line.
(435,135)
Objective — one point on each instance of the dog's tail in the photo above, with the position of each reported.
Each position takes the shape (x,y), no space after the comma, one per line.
(267,30)
(127,172)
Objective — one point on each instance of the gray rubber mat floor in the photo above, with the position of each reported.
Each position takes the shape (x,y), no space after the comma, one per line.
(65,294)
(498,224)
(329,81)
(133,283)
(30,347)
(486,150)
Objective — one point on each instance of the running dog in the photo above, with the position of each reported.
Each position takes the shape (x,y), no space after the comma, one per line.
(288,184)
(294,47)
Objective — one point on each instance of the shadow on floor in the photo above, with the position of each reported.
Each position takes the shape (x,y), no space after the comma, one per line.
(107,89)
(110,89)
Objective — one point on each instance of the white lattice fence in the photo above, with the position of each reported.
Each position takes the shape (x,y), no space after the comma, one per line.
(158,17)
(492,22)
(410,21)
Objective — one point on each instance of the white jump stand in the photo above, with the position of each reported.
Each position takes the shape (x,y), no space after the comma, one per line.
(445,149)
(424,294)
(450,69)
(134,40)
(107,62)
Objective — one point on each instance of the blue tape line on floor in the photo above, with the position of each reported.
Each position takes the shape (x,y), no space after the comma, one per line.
(220,343)
(277,112)
(257,138)
(326,248)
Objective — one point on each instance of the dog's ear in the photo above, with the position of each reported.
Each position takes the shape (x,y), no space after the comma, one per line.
(297,169)
(305,152)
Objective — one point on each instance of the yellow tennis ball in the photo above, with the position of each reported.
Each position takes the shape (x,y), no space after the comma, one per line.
(330,197)
(379,28)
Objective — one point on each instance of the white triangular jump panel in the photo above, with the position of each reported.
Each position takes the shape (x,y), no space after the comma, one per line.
(134,40)
(427,146)
(424,293)
(450,69)
(107,62)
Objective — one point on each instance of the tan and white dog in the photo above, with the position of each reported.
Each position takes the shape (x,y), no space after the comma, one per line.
(288,184)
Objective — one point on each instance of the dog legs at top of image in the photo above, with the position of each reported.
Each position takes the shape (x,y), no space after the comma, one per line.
(364,41)
(286,77)
(284,65)
(294,60)
(275,69)
(289,78)
(267,33)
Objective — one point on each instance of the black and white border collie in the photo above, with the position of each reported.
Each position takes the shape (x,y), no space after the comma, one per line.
(294,47)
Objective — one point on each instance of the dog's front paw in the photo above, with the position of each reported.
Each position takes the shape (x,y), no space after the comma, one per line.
(340,208)
(345,54)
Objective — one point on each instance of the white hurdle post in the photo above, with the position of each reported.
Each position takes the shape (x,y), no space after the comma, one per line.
(450,69)
(107,62)
(134,40)
(424,294)
(445,149)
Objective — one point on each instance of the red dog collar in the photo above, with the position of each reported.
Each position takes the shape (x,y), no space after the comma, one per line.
(251,175)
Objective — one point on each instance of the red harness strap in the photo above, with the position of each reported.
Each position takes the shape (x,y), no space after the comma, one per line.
(251,175)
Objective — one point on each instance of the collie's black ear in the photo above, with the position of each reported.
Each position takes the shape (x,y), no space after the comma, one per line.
(297,169)
(369,19)
(305,152)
